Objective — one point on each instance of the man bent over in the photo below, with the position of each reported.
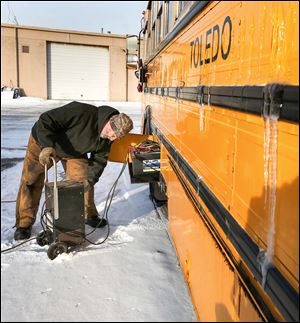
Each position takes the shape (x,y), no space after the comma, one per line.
(68,134)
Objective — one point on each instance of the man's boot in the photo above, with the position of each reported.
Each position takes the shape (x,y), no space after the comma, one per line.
(22,233)
(96,222)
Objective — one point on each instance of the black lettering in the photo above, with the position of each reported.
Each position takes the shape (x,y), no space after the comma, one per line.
(196,47)
(226,21)
(204,55)
(216,29)
(201,61)
(207,60)
(192,45)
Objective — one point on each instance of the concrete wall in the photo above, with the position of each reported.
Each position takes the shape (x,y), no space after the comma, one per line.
(29,70)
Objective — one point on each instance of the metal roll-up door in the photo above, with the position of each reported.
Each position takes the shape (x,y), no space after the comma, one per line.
(78,72)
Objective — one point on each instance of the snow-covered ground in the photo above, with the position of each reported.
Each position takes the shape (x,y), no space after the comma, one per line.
(134,276)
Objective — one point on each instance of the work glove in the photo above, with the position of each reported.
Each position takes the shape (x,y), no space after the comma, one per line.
(44,157)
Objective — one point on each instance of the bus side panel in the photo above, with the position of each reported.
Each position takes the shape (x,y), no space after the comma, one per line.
(208,144)
(251,202)
(263,46)
(226,149)
(230,43)
(209,151)
(247,312)
(214,286)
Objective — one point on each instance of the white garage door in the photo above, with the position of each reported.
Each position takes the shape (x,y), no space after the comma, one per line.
(78,72)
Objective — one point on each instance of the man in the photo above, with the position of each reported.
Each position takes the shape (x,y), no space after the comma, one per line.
(68,134)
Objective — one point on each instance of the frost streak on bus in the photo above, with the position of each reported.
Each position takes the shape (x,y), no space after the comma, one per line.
(211,35)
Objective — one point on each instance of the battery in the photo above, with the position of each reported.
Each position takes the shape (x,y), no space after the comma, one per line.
(144,166)
(69,224)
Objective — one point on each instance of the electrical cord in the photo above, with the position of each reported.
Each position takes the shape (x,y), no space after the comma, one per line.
(8,201)
(19,244)
(148,146)
(106,208)
(108,202)
(13,201)
(45,225)
(50,225)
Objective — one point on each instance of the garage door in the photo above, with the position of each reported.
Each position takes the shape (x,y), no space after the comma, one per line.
(78,72)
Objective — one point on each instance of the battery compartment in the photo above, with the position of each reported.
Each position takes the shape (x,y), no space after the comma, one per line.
(144,162)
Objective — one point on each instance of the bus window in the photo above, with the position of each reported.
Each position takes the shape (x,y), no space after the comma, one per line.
(171,15)
(165,19)
(158,30)
(181,5)
(148,52)
(160,6)
(153,12)
(152,40)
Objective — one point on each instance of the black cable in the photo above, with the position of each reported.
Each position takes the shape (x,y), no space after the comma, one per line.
(8,201)
(74,234)
(42,213)
(12,201)
(105,213)
(19,244)
(106,208)
(13,247)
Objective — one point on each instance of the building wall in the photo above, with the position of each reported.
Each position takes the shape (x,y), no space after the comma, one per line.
(8,57)
(31,72)
(132,81)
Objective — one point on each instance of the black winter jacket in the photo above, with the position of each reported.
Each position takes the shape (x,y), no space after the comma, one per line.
(74,130)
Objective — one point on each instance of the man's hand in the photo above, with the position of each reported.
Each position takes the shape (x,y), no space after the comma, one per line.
(44,157)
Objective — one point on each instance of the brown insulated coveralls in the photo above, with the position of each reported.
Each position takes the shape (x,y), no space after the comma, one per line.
(74,131)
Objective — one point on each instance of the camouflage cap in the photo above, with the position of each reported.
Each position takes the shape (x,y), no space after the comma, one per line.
(121,124)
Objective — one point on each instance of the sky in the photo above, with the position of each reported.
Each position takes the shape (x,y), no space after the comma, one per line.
(134,276)
(118,17)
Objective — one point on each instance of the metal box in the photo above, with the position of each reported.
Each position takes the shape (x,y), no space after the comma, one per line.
(68,224)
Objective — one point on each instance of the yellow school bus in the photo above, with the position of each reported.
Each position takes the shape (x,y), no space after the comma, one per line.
(220,83)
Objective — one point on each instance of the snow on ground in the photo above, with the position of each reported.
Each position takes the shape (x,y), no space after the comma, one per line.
(133,276)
